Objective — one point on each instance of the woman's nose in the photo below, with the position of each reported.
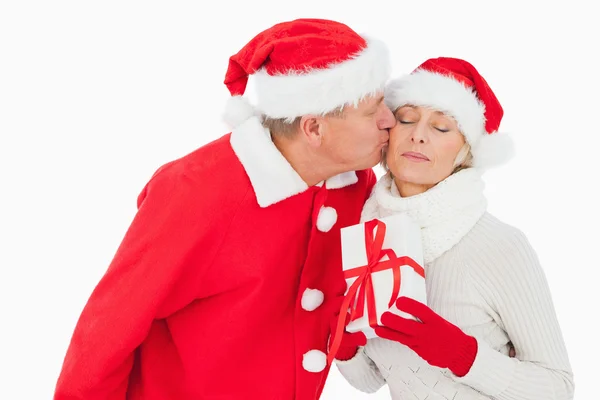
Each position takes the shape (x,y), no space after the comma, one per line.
(418,134)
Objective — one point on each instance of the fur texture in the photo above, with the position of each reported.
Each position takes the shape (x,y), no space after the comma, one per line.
(237,110)
(273,178)
(321,91)
(312,299)
(314,361)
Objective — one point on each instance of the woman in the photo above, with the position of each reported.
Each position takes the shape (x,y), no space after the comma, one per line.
(485,287)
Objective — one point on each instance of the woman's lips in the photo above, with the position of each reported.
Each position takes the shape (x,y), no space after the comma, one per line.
(416,157)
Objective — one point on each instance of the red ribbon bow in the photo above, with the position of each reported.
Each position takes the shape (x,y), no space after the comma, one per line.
(361,289)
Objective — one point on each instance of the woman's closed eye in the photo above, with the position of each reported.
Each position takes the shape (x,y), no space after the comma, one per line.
(443,130)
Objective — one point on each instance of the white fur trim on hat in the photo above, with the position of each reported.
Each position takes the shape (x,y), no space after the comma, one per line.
(429,89)
(237,110)
(493,150)
(321,91)
(314,361)
(312,299)
(326,219)
(443,93)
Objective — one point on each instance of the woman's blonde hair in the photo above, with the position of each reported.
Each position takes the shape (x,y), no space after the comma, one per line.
(464,158)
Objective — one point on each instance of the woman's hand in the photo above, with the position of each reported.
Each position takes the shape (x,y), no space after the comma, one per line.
(434,339)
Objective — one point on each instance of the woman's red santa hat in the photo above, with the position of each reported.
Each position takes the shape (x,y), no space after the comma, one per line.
(456,88)
(305,66)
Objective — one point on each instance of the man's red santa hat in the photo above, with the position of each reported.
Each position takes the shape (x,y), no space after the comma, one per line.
(305,66)
(454,87)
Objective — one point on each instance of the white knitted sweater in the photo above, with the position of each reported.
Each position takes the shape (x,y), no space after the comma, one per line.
(483,276)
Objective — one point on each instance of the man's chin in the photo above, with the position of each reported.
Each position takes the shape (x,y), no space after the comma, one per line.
(373,163)
(377,157)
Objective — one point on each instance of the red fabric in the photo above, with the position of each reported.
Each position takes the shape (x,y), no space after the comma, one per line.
(468,75)
(203,297)
(348,344)
(434,339)
(297,46)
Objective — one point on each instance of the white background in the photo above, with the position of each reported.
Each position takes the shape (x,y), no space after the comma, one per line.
(94,96)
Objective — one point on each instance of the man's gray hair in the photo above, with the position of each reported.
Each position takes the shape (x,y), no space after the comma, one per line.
(287,127)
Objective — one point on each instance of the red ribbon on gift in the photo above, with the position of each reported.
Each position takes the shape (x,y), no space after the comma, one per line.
(361,290)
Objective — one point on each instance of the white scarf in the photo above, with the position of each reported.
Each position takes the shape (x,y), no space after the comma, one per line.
(445,213)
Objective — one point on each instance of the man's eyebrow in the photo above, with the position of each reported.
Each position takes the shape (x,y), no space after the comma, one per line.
(381,98)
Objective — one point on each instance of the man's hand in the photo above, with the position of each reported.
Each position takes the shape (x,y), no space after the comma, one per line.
(350,341)
(350,344)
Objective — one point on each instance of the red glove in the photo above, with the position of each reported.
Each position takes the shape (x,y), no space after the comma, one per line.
(434,339)
(350,341)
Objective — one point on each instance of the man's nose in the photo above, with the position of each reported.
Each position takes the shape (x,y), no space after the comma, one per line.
(387,119)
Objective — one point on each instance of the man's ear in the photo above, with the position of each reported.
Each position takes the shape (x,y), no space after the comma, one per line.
(312,128)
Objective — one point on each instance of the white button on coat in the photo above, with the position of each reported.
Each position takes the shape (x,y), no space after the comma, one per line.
(314,361)
(312,299)
(326,219)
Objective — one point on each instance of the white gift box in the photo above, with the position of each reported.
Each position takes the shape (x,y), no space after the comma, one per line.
(403,236)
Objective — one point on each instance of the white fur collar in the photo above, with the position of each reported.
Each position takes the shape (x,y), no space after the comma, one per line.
(445,213)
(272,177)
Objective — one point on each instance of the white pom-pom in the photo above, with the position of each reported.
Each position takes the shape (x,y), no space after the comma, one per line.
(237,110)
(326,219)
(314,361)
(312,299)
(493,150)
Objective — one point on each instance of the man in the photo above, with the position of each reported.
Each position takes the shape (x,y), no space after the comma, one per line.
(219,289)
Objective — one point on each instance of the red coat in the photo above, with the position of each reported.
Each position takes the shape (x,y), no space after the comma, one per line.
(204,297)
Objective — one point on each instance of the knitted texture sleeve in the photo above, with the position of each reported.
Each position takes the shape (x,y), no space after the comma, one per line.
(361,372)
(506,271)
